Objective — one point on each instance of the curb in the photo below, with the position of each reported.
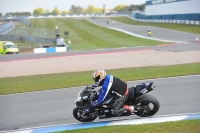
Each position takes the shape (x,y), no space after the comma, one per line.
(57,128)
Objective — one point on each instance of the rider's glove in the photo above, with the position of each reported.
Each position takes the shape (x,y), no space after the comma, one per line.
(95,85)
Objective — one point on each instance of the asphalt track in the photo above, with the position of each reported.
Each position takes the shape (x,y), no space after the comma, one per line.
(176,47)
(159,33)
(176,95)
(25,110)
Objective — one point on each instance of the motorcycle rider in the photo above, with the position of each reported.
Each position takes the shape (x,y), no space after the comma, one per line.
(149,32)
(114,85)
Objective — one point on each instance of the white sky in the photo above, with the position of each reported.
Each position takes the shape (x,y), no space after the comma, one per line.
(30,5)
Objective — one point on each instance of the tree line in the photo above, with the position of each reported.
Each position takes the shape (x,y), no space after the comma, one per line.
(73,10)
(89,10)
(78,10)
(124,8)
(18,14)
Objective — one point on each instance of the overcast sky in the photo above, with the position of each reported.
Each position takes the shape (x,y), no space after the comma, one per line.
(30,5)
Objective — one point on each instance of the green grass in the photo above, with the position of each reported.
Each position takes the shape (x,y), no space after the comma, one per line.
(64,80)
(179,27)
(86,36)
(187,126)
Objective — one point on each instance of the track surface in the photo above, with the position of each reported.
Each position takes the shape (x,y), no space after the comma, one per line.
(176,95)
(174,48)
(159,33)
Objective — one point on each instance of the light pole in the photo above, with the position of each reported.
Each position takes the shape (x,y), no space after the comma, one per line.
(57,35)
(56,31)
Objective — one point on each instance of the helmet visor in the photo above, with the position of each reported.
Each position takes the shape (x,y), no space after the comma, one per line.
(96,79)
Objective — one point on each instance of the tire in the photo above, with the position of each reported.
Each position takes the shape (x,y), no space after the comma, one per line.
(143,103)
(80,118)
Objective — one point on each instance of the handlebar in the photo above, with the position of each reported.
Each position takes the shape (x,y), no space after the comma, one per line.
(93,86)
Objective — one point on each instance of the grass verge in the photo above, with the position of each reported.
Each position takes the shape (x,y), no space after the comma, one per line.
(187,126)
(87,36)
(179,27)
(63,80)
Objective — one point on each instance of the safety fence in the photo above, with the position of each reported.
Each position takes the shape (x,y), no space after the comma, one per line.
(24,20)
(27,39)
(6,27)
(39,36)
(191,22)
(34,32)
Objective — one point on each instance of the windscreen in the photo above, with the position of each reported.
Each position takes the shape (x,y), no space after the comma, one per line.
(10,46)
(84,90)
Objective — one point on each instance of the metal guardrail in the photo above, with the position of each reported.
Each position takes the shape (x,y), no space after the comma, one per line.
(191,22)
(27,39)
(24,21)
(34,32)
(8,32)
(6,27)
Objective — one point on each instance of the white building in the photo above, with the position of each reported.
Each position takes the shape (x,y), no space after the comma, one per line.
(171,9)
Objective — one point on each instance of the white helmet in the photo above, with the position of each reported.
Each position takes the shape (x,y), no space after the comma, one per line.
(98,75)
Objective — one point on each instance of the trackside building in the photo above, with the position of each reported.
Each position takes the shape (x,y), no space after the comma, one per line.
(171,10)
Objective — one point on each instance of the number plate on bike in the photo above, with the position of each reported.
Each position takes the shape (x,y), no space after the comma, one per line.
(144,91)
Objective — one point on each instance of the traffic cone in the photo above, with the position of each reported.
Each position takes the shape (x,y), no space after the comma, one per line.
(197,40)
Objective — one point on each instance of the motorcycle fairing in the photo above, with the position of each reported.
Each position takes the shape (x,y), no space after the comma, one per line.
(141,86)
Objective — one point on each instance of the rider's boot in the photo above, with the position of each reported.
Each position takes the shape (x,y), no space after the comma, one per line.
(129,109)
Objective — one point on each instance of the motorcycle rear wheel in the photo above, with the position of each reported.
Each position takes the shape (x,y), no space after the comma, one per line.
(146,106)
(78,114)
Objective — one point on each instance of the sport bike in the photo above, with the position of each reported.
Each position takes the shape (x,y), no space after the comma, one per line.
(144,105)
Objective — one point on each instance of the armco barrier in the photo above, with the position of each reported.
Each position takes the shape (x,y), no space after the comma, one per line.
(51,49)
(27,39)
(191,22)
(7,27)
(136,121)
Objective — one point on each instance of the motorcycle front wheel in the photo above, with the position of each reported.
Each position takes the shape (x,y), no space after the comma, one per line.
(146,106)
(80,115)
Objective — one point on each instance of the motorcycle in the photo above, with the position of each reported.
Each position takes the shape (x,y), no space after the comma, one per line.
(144,105)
